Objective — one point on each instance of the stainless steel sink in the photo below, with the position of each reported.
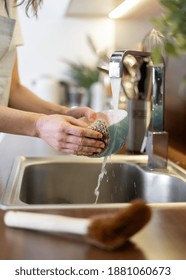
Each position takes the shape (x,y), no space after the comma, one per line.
(69,181)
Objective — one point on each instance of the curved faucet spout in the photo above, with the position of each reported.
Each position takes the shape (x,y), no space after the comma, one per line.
(116,66)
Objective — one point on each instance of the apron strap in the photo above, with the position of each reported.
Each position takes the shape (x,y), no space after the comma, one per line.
(7,7)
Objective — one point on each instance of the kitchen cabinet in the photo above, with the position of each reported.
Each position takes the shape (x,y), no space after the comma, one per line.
(91,8)
(97,8)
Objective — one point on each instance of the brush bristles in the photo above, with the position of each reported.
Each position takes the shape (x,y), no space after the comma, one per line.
(112,231)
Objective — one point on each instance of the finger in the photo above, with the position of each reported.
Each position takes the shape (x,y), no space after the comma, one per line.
(84,141)
(91,115)
(79,149)
(87,150)
(78,122)
(72,152)
(83,154)
(83,112)
(83,132)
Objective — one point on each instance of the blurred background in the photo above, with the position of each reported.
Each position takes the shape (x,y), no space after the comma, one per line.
(59,36)
(65,43)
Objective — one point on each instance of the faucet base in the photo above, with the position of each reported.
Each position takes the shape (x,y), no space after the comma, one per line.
(157,149)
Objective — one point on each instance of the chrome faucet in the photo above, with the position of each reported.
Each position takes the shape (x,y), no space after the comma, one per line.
(145,103)
(157,138)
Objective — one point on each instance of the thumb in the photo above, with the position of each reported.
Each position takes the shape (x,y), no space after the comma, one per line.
(91,115)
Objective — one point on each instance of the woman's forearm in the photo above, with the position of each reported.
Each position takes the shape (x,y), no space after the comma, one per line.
(22,98)
(18,122)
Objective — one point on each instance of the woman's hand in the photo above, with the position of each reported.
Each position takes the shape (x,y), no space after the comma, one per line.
(82,112)
(70,135)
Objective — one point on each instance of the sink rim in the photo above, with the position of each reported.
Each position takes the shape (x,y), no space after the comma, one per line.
(21,162)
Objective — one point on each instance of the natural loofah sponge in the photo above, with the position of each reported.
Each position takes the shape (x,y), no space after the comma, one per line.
(113,124)
(101,126)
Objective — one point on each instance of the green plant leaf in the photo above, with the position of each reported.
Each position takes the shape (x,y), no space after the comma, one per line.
(83,75)
(171,49)
(172,24)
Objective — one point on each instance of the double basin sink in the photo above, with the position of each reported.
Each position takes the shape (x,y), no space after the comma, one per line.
(70,181)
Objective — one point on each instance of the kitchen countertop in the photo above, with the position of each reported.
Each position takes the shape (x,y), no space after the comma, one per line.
(163,238)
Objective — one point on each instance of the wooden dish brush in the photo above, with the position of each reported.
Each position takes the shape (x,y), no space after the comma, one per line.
(107,231)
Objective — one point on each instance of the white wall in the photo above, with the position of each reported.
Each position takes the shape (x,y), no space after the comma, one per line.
(130,33)
(52,37)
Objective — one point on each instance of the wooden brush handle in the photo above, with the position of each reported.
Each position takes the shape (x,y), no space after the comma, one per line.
(46,222)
